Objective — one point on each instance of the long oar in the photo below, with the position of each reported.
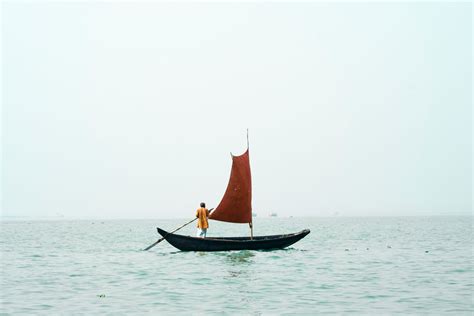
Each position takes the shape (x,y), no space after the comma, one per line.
(163,238)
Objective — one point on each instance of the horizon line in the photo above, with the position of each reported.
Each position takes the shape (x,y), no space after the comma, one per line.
(63,218)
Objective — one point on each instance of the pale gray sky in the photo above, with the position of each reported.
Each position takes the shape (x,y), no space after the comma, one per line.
(130,110)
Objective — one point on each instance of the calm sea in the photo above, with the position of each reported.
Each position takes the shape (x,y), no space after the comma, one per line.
(406,265)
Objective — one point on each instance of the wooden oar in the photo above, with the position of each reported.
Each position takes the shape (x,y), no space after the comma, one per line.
(163,238)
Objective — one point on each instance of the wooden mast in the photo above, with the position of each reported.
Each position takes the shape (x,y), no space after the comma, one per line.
(251,215)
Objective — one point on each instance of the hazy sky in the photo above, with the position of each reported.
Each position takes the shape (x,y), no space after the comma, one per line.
(131,110)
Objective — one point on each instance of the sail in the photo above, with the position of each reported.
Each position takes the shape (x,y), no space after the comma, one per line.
(236,205)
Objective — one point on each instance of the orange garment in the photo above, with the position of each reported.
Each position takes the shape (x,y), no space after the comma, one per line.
(202,214)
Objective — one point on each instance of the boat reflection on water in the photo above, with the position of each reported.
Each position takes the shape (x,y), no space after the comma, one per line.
(238,257)
(237,262)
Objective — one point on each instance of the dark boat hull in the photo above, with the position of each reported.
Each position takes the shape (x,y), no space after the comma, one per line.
(188,243)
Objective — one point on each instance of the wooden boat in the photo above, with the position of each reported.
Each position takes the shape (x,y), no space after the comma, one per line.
(235,207)
(188,243)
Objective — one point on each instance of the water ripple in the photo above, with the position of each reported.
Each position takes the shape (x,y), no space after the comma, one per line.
(391,266)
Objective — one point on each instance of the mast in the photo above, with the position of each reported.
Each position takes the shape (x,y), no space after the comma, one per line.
(251,218)
(247,138)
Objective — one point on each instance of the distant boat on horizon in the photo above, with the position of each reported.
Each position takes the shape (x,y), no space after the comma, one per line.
(273,214)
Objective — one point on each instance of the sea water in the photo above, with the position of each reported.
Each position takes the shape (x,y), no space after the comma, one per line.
(405,265)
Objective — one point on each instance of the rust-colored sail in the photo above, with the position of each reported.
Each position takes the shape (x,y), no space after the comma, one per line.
(236,205)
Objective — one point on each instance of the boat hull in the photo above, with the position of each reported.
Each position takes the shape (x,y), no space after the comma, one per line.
(188,243)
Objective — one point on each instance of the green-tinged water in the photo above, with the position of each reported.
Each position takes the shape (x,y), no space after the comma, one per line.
(414,265)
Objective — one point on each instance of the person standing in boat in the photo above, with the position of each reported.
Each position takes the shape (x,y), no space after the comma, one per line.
(202,214)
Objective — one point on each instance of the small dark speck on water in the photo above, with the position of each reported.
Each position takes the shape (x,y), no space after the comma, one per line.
(101,295)
(346,249)
(389,246)
(426,251)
